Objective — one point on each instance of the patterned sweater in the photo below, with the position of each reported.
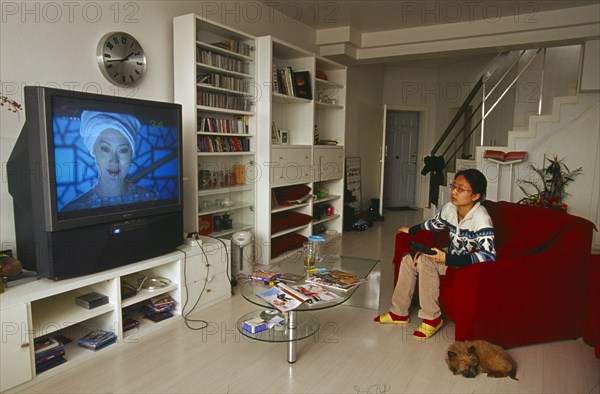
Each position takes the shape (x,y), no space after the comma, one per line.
(471,240)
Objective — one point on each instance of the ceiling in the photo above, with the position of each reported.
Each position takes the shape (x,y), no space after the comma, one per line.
(370,16)
(380,15)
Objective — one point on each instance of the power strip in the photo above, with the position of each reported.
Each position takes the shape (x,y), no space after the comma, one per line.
(192,240)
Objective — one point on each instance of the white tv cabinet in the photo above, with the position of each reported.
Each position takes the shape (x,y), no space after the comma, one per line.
(47,308)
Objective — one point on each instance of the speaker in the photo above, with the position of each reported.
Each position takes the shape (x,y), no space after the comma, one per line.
(87,250)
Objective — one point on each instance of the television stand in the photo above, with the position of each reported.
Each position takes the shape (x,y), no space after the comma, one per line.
(47,308)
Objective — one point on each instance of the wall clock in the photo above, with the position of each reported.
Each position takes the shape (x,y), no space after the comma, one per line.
(121,58)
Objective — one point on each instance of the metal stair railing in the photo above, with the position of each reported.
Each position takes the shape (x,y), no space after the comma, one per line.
(449,137)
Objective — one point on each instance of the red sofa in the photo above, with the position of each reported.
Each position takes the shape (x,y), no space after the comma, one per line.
(533,292)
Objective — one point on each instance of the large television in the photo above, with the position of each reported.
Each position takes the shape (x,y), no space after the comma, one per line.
(96,181)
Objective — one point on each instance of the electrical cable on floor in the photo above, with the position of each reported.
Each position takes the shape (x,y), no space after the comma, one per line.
(232,282)
(185,315)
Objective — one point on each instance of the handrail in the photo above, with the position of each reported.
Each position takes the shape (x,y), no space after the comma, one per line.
(482,107)
(460,112)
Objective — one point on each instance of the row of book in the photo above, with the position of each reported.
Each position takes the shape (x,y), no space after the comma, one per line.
(235,46)
(97,339)
(222,144)
(221,61)
(218,100)
(159,308)
(48,353)
(238,125)
(290,83)
(223,82)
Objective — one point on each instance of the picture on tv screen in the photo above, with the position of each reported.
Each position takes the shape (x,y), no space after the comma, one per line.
(113,157)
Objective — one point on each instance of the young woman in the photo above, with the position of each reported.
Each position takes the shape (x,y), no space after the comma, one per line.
(471,241)
(110,140)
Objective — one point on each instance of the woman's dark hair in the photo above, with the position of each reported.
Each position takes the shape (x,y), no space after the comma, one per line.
(477,181)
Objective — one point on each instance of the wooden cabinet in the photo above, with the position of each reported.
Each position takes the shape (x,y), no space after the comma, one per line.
(17,350)
(214,80)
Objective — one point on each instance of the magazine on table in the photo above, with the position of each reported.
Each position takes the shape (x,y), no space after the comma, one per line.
(283,297)
(318,296)
(337,280)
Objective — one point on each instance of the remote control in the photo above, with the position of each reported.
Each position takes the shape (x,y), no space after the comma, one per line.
(417,247)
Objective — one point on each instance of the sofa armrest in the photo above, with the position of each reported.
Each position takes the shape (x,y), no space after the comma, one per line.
(513,300)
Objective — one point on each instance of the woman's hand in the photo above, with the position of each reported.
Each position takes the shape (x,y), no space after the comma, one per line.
(439,256)
(403,229)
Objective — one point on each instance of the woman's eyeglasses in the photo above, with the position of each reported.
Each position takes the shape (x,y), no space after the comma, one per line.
(459,188)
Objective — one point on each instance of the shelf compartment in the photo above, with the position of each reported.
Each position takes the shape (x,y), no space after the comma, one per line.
(221,190)
(216,49)
(60,311)
(320,81)
(236,228)
(325,199)
(327,219)
(217,134)
(225,153)
(226,209)
(322,105)
(289,230)
(224,71)
(144,295)
(289,207)
(223,90)
(285,99)
(216,110)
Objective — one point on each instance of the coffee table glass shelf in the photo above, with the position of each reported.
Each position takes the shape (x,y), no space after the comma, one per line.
(297,326)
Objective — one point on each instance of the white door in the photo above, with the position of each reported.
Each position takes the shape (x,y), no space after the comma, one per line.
(400,164)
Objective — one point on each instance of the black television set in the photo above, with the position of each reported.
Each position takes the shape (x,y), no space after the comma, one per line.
(96,181)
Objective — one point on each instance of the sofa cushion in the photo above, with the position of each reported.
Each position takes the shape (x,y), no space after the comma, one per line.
(288,219)
(521,230)
(290,193)
(286,243)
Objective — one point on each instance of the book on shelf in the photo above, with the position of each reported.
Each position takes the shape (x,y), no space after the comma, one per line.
(234,46)
(283,297)
(235,125)
(302,85)
(336,280)
(48,353)
(39,368)
(97,339)
(318,296)
(43,345)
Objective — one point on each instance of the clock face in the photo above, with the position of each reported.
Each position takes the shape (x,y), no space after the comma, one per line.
(121,58)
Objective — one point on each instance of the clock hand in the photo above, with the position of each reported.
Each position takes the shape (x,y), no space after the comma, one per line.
(120,60)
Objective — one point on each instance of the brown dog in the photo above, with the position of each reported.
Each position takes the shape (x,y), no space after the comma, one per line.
(469,358)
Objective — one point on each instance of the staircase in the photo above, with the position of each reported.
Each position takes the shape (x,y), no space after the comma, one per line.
(568,128)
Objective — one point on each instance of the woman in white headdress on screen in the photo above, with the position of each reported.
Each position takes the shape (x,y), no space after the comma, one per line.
(110,139)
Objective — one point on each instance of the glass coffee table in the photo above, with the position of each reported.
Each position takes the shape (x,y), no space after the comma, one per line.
(299,323)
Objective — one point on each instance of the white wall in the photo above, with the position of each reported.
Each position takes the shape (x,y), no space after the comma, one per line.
(54,44)
(364,111)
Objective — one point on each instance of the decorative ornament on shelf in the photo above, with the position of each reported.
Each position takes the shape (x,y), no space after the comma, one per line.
(554,178)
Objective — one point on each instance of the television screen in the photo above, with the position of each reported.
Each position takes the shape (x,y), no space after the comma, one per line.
(111,157)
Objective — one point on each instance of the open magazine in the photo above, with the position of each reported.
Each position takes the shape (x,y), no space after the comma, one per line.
(337,280)
(283,297)
(318,296)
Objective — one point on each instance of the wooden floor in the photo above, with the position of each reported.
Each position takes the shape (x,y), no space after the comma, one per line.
(350,354)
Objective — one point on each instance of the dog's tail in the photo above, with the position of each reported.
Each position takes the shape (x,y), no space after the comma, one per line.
(513,374)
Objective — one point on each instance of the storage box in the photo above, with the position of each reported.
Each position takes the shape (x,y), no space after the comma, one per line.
(254,325)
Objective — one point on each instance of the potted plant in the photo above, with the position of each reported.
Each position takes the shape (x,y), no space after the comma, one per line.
(554,179)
